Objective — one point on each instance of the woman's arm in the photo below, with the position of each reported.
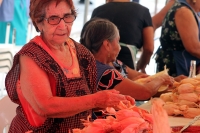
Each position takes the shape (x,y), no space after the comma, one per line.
(159,17)
(36,89)
(1,2)
(188,31)
(134,75)
(147,49)
(112,79)
(142,91)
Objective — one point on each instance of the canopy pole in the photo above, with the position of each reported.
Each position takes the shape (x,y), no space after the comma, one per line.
(87,2)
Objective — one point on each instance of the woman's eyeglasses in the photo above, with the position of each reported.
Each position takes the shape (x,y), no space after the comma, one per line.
(54,20)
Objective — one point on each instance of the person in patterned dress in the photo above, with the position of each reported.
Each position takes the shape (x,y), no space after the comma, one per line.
(101,37)
(180,38)
(158,18)
(53,78)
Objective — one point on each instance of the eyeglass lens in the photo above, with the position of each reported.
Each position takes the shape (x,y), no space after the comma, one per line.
(56,20)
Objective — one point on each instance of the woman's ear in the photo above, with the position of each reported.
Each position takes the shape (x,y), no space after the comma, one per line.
(106,44)
(39,25)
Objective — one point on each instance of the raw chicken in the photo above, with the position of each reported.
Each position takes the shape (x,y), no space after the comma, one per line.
(192,97)
(166,97)
(172,108)
(130,119)
(186,88)
(160,117)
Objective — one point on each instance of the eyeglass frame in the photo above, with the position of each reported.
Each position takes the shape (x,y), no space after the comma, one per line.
(47,19)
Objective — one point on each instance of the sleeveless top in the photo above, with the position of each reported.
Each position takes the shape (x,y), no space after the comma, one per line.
(65,87)
(171,41)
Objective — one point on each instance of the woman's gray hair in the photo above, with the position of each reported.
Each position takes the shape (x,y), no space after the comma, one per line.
(95,31)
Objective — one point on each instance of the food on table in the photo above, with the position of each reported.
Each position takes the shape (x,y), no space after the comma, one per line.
(130,119)
(149,78)
(160,117)
(184,99)
(166,97)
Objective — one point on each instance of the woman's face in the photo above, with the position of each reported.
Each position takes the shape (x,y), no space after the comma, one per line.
(56,34)
(195,6)
(115,48)
(198,5)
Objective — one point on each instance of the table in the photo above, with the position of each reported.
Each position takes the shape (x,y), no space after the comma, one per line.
(177,122)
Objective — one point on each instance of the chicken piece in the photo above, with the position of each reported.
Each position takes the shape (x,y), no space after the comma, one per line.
(166,97)
(160,117)
(183,107)
(197,89)
(133,128)
(192,97)
(175,97)
(172,108)
(186,88)
(175,84)
(119,126)
(192,81)
(126,113)
(188,103)
(191,112)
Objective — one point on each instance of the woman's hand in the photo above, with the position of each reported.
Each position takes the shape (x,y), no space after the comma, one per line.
(168,80)
(111,98)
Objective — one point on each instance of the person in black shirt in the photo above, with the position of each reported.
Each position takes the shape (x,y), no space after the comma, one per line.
(136,30)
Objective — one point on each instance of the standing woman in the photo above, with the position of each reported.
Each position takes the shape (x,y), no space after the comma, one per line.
(180,38)
(158,18)
(53,78)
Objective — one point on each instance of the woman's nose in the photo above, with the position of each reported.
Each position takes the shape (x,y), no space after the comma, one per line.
(119,47)
(62,23)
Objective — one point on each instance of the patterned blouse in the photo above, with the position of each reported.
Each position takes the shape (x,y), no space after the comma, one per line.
(108,77)
(170,41)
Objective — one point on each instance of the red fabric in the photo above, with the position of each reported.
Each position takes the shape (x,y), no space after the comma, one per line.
(32,116)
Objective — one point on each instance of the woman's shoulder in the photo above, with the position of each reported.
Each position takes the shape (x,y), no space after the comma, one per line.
(81,47)
(102,67)
(30,47)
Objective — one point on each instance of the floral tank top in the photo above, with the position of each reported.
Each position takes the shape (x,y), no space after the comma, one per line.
(170,41)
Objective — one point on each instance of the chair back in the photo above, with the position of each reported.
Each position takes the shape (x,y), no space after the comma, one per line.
(6,60)
(7,112)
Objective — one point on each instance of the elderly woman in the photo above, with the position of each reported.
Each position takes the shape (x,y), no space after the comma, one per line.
(53,77)
(180,38)
(101,37)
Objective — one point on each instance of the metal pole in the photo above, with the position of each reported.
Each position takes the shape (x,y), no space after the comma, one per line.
(156,3)
(87,2)
(7,33)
